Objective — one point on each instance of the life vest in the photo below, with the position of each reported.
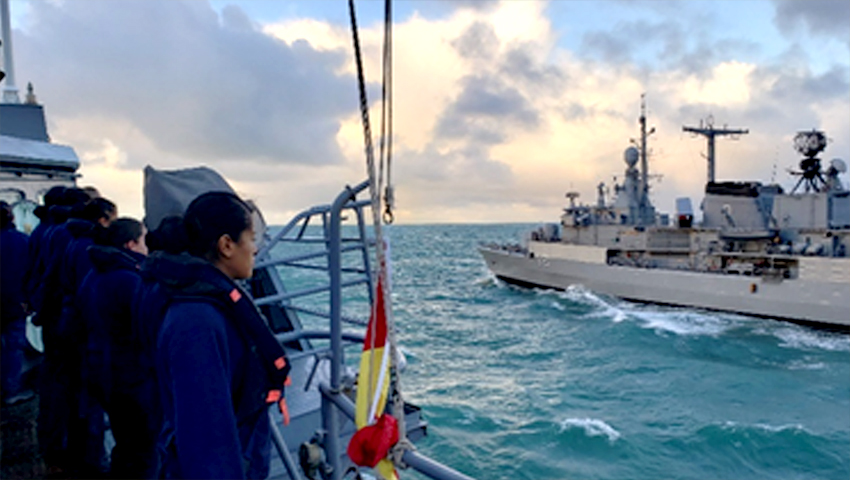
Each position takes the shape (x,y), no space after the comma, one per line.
(169,279)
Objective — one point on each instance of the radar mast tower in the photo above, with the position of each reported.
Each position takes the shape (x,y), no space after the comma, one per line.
(707,130)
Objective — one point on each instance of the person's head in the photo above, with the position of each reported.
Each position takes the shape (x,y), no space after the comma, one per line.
(127,233)
(92,192)
(219,229)
(6,216)
(100,210)
(54,196)
(73,197)
(168,237)
(51,197)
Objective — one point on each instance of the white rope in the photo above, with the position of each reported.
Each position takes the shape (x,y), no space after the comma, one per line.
(380,247)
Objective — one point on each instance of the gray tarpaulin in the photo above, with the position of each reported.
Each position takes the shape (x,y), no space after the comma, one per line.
(170,192)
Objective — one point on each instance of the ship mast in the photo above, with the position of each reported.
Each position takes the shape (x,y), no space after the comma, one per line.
(646,215)
(709,132)
(10,91)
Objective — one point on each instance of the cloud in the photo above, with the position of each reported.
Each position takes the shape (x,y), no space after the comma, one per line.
(486,111)
(194,84)
(818,17)
(494,118)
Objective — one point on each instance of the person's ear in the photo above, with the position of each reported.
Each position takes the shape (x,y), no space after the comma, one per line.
(226,246)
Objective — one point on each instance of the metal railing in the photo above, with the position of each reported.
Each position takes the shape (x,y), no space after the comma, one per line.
(336,406)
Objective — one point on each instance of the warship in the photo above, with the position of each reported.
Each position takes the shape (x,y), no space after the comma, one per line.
(758,250)
(314,280)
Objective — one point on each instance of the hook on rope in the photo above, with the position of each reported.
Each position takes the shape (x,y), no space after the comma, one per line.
(389,204)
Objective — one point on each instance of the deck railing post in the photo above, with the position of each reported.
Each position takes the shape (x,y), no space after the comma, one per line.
(329,414)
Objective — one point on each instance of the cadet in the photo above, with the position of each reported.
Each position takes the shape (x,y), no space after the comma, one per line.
(218,363)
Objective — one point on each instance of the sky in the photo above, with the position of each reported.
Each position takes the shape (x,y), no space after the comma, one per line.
(500,107)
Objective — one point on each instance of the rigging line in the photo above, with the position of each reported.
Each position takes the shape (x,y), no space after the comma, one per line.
(379,244)
(373,192)
(370,168)
(389,197)
(395,379)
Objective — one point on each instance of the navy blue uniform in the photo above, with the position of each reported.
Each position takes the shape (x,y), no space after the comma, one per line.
(13,263)
(55,406)
(87,426)
(213,378)
(116,368)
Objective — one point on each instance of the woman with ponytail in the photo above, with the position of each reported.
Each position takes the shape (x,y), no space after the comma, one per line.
(218,364)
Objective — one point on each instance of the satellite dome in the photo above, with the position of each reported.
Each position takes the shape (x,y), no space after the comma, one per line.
(631,156)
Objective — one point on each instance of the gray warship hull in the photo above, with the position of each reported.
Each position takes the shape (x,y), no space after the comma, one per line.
(823,299)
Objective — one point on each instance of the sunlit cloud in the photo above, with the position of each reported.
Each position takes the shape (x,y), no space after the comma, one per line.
(495,117)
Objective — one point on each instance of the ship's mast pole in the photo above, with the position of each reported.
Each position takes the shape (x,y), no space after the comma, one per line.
(645,214)
(644,167)
(709,132)
(10,91)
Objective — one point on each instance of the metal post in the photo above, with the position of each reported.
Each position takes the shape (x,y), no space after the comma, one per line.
(711,159)
(329,413)
(283,450)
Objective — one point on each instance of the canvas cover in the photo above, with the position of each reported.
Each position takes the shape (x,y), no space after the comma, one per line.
(169,192)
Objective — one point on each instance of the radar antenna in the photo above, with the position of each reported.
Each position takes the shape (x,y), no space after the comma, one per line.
(706,129)
(810,144)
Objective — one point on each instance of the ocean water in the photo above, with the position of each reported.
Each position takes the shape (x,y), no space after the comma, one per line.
(532,384)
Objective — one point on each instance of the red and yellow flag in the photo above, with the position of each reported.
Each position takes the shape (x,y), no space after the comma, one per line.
(377,432)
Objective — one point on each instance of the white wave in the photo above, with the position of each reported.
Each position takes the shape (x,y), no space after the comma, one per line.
(683,323)
(580,294)
(592,427)
(763,426)
(801,338)
(781,428)
(486,281)
(802,365)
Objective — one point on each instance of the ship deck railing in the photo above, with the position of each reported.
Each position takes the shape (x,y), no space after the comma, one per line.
(323,249)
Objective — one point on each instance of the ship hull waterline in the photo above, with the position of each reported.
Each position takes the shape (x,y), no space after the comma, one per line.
(813,303)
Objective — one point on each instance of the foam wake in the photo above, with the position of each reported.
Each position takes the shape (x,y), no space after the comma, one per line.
(806,339)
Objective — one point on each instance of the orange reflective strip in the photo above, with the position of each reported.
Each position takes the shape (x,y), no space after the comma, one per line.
(235,295)
(284,410)
(280,363)
(288,381)
(273,396)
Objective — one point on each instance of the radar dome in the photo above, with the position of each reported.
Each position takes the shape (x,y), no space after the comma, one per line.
(631,156)
(838,165)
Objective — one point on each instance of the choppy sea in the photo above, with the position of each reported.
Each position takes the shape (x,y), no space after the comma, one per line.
(532,384)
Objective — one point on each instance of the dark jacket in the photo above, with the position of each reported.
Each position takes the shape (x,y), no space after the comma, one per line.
(117,370)
(74,265)
(47,296)
(35,262)
(214,356)
(105,299)
(13,264)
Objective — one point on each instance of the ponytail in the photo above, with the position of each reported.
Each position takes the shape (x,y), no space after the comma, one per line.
(120,232)
(169,236)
